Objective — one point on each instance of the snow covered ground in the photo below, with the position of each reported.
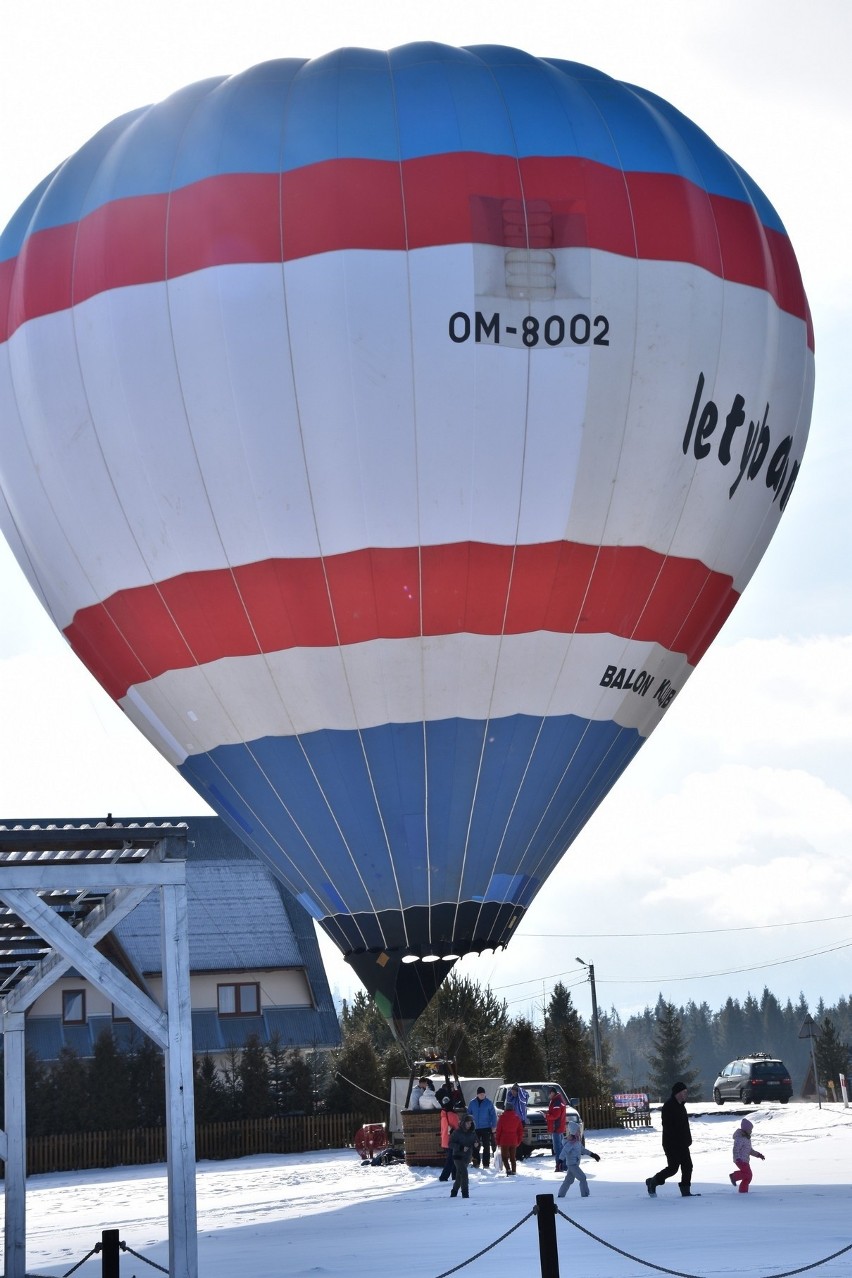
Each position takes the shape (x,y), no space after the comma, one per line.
(323,1215)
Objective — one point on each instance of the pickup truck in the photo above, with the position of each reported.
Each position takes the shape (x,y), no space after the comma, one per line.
(536,1135)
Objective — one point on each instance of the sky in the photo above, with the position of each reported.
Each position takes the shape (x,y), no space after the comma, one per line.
(323,1215)
(720,862)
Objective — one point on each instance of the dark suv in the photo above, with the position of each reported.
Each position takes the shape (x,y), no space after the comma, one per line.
(754,1078)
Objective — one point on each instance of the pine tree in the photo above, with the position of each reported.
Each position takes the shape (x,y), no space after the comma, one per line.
(832,1055)
(730,1032)
(253,1073)
(210,1098)
(571,1057)
(523,1057)
(146,1067)
(230,1075)
(69,1093)
(358,1086)
(698,1027)
(111,1104)
(297,1084)
(37,1083)
(362,1016)
(670,1060)
(464,1022)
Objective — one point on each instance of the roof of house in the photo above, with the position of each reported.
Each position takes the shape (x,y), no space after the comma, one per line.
(240,918)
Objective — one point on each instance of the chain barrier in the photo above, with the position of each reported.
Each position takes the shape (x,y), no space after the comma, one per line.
(490,1246)
(678,1273)
(74,1268)
(152,1263)
(98,1247)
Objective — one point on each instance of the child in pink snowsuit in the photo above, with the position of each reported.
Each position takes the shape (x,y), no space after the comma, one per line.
(742,1152)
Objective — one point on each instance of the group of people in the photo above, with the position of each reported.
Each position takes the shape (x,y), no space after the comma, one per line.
(468,1136)
(677,1139)
(470,1133)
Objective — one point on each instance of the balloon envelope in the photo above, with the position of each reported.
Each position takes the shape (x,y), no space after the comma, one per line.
(390,434)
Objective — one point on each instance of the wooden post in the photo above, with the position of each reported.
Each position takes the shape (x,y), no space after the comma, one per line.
(15,1151)
(180,1150)
(109,1253)
(545,1209)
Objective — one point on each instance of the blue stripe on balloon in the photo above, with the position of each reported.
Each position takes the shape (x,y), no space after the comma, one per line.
(417,100)
(505,799)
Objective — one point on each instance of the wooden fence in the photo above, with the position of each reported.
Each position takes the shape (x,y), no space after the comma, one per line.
(602,1113)
(76,1151)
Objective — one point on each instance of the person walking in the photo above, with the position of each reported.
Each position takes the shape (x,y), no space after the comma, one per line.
(573,1150)
(510,1133)
(484,1116)
(743,1150)
(677,1139)
(463,1142)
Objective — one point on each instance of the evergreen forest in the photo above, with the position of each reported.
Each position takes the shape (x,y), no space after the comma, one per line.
(647,1052)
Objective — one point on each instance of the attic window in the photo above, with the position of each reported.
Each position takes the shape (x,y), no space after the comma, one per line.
(73,1007)
(239,999)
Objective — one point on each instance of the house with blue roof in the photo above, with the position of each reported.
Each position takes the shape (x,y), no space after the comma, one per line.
(255,964)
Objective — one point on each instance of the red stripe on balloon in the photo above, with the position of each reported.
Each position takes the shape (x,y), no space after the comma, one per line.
(364,595)
(372,204)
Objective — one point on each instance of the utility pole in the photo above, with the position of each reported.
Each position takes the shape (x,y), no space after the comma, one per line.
(810,1030)
(596,1030)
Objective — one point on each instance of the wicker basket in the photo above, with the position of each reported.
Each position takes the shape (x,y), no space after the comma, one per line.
(421,1130)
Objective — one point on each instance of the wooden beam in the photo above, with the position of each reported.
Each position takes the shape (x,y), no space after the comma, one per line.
(102,919)
(80,953)
(97,876)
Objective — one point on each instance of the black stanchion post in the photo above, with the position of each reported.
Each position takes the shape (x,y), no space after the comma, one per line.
(545,1209)
(109,1253)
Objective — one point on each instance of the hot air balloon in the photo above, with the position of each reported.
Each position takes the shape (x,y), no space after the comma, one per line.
(390,433)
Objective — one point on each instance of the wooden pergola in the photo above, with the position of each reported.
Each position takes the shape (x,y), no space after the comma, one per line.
(63,889)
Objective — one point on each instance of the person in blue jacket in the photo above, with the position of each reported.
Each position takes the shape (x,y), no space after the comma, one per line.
(519,1097)
(484,1116)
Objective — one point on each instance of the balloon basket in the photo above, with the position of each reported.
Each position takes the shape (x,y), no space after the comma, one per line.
(422,1135)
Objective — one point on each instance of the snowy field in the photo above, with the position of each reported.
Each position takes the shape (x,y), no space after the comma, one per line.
(323,1215)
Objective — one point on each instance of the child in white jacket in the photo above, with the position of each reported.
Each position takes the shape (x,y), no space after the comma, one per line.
(743,1151)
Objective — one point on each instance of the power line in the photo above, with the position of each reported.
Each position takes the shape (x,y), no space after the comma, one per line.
(707,931)
(734,971)
(664,980)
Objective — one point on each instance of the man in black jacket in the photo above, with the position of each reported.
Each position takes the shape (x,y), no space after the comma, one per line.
(677,1139)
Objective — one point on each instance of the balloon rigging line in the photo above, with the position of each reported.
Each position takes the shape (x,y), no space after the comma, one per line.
(415,425)
(498,89)
(344,670)
(351,1083)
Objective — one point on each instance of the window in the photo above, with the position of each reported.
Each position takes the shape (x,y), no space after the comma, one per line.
(239,999)
(73,1007)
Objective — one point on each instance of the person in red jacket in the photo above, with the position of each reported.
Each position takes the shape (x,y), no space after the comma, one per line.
(449,1122)
(509,1134)
(556,1115)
